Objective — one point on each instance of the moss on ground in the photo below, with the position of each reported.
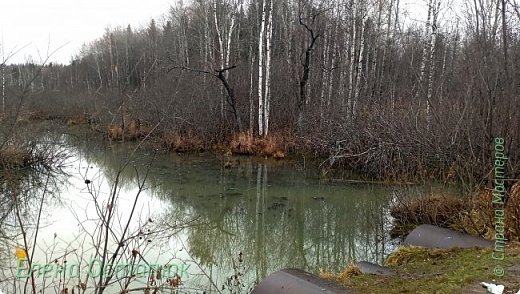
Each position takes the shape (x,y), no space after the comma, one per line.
(422,270)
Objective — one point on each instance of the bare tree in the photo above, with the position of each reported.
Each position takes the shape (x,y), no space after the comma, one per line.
(307,22)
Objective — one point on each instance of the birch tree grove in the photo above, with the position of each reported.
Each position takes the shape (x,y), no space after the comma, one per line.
(348,79)
(264,66)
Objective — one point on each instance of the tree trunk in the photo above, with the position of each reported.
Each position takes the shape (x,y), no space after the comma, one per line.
(251,103)
(261,73)
(268,53)
(306,70)
(359,68)
(426,50)
(221,53)
(324,69)
(432,65)
(352,52)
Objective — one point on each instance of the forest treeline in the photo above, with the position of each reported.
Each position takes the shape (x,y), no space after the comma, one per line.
(353,81)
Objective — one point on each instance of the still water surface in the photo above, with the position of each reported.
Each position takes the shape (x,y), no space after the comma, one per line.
(252,219)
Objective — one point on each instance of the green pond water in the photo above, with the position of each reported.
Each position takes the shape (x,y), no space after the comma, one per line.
(228,227)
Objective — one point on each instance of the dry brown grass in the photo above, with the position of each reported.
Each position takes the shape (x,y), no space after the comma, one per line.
(409,254)
(513,212)
(173,141)
(115,133)
(133,130)
(439,210)
(243,143)
(75,120)
(342,277)
(477,219)
(12,156)
(274,145)
(480,218)
(474,215)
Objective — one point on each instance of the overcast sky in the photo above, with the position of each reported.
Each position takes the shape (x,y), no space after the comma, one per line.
(72,22)
(37,24)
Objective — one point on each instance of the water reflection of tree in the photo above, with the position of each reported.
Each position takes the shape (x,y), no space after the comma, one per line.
(268,213)
(306,233)
(26,196)
(26,185)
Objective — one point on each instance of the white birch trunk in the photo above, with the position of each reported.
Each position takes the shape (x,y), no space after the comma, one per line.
(388,39)
(185,42)
(426,49)
(443,72)
(251,104)
(221,53)
(341,90)
(331,75)
(228,46)
(206,44)
(352,52)
(261,73)
(343,61)
(268,51)
(3,77)
(3,86)
(432,65)
(325,58)
(359,68)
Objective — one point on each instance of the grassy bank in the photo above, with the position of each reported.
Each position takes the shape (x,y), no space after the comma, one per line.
(422,270)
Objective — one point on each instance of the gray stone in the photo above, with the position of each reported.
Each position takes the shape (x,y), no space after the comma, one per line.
(374,269)
(295,281)
(435,237)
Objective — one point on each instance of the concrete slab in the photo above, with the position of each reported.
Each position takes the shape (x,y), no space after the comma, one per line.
(295,281)
(435,237)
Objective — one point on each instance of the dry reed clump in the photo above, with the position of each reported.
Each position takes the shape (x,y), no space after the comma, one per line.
(480,219)
(75,120)
(131,131)
(513,212)
(115,132)
(38,115)
(274,145)
(173,141)
(474,215)
(436,210)
(409,254)
(243,143)
(12,156)
(342,277)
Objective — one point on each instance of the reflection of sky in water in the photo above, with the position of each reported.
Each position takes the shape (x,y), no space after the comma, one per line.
(252,219)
